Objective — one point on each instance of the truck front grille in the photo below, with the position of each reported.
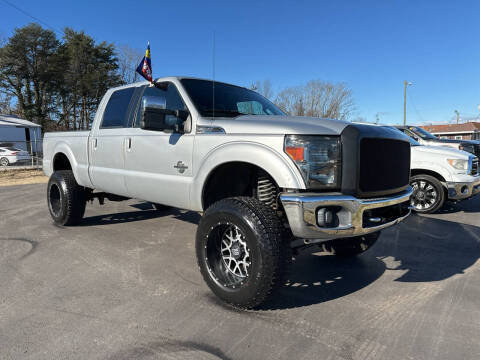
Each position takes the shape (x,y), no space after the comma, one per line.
(476,150)
(384,164)
(474,167)
(375,161)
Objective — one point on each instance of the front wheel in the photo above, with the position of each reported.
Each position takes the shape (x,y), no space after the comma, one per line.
(242,250)
(66,199)
(428,195)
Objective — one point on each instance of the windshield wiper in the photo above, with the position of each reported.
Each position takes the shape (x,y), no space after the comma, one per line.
(225,111)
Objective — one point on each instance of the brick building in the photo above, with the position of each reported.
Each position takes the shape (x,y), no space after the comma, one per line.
(465,131)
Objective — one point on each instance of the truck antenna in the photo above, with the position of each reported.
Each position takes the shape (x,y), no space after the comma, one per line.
(213,76)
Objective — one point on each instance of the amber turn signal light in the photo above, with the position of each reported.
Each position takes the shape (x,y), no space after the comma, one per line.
(296,153)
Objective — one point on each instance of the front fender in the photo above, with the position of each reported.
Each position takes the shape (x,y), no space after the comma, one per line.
(431,166)
(278,165)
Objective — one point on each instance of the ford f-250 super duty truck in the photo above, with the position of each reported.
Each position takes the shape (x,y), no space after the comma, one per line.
(267,183)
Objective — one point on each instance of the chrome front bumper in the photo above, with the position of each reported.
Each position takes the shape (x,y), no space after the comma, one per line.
(463,190)
(301,210)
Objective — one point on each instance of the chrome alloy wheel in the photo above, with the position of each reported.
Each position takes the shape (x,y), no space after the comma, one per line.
(235,252)
(424,195)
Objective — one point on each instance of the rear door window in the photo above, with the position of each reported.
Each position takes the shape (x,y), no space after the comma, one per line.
(117,109)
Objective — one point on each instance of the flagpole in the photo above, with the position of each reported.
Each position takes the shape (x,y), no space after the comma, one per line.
(213,71)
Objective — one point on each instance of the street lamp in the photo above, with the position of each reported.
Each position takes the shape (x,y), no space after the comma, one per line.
(458,114)
(405,84)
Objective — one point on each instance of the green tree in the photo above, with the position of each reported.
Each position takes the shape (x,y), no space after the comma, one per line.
(88,70)
(27,71)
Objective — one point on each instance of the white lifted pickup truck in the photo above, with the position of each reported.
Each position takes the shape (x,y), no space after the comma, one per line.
(267,183)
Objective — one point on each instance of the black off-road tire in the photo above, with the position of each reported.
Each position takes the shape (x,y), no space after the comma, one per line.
(160,207)
(352,246)
(265,238)
(439,193)
(66,199)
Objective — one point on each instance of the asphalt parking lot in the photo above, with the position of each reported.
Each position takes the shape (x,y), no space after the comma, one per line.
(125,285)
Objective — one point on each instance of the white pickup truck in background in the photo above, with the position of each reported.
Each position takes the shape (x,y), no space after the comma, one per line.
(267,183)
(440,173)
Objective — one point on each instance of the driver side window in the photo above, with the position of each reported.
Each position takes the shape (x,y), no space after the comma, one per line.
(174,102)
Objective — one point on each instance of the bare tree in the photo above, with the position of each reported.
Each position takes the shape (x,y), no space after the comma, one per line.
(318,99)
(128,60)
(6,103)
(263,88)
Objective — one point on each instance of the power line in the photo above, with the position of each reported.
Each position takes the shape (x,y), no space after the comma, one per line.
(33,17)
(415,108)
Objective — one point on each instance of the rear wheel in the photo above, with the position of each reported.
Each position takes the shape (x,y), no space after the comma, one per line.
(428,195)
(66,199)
(4,161)
(352,246)
(243,251)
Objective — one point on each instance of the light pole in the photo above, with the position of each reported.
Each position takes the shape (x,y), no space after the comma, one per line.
(458,115)
(405,84)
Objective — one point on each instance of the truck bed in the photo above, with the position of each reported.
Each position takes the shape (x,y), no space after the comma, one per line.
(74,145)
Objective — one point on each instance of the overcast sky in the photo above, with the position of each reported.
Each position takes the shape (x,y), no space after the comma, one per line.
(370,45)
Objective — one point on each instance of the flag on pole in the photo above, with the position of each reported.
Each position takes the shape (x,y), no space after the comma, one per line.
(145,66)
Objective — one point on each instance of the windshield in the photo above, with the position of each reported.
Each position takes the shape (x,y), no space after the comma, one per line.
(424,134)
(413,142)
(230,100)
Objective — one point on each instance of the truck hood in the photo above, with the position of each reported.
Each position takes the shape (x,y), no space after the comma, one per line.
(277,125)
(451,141)
(451,153)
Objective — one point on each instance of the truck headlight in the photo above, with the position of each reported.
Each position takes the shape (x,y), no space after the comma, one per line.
(318,158)
(458,164)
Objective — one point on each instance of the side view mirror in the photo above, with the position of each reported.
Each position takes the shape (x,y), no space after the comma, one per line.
(156,117)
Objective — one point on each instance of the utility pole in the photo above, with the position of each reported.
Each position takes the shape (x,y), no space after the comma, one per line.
(458,115)
(405,84)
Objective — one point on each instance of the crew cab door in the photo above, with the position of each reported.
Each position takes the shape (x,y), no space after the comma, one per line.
(158,164)
(107,143)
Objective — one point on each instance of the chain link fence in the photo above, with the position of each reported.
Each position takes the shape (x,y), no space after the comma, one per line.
(20,154)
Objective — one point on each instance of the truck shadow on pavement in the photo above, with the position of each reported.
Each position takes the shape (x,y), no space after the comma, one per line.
(145,212)
(421,249)
(468,206)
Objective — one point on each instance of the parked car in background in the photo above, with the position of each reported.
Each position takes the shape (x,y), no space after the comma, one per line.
(439,174)
(11,155)
(423,137)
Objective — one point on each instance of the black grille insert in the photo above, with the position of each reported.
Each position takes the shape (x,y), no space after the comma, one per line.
(474,167)
(477,150)
(384,165)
